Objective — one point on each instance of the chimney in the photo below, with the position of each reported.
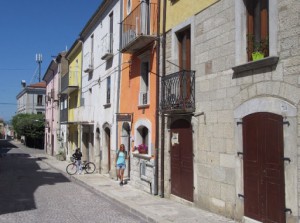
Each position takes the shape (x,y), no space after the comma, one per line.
(23,83)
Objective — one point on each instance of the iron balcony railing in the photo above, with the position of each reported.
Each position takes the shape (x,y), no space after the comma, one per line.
(141,22)
(179,92)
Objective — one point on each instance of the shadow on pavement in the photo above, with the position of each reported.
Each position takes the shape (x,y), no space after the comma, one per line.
(5,146)
(20,176)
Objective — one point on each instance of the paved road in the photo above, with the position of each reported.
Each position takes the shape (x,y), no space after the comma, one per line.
(33,192)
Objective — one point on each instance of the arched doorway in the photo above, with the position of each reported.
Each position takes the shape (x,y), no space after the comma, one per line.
(182,183)
(264,188)
(126,141)
(98,151)
(107,141)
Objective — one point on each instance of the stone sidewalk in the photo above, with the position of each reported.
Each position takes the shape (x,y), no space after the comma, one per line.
(149,207)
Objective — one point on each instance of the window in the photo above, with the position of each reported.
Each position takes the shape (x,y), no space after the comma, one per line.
(128,7)
(61,105)
(143,138)
(108,86)
(40,100)
(184,62)
(144,87)
(111,30)
(92,51)
(184,49)
(257,27)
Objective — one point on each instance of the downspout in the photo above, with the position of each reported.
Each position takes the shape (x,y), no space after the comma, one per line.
(157,101)
(80,90)
(162,159)
(119,82)
(68,108)
(58,103)
(52,115)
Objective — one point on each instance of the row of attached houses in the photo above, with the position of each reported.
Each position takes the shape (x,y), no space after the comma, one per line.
(202,121)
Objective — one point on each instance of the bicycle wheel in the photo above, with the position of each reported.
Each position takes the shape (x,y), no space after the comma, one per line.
(89,167)
(71,169)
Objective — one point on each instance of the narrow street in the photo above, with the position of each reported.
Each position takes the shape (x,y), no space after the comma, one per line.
(31,191)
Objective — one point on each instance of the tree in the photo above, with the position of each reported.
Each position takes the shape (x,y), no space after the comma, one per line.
(32,126)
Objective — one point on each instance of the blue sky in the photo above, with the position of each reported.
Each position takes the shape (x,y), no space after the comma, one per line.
(29,27)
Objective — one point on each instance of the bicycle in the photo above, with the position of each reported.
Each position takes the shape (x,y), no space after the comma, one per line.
(89,167)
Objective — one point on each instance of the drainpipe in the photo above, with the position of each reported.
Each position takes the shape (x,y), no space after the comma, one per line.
(119,83)
(157,102)
(80,90)
(162,159)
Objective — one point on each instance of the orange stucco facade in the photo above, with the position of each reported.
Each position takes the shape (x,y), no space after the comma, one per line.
(143,114)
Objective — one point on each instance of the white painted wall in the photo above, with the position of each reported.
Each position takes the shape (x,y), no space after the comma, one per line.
(94,86)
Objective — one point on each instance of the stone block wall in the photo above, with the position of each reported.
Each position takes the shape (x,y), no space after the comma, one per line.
(142,173)
(220,95)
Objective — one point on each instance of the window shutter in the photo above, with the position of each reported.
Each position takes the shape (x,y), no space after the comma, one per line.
(264,25)
(250,27)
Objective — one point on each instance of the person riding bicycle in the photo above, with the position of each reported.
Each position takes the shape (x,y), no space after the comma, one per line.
(77,156)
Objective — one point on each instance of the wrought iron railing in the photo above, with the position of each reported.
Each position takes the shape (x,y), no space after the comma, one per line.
(179,92)
(141,21)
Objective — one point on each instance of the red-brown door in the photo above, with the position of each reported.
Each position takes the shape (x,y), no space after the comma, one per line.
(263,167)
(182,160)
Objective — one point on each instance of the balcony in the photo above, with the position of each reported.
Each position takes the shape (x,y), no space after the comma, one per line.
(139,28)
(179,92)
(107,47)
(67,87)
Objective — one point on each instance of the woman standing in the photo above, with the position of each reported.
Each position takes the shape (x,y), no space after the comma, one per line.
(121,163)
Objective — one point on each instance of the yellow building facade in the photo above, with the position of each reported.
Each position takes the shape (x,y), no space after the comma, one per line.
(74,88)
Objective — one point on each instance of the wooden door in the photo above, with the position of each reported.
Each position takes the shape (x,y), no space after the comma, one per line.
(263,167)
(107,137)
(182,184)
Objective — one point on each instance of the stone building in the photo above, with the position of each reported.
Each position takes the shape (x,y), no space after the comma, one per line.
(242,125)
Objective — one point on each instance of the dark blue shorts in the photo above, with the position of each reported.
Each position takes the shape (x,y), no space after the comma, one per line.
(121,166)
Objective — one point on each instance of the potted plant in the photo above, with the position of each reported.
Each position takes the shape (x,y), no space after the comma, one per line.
(258,49)
(61,155)
(143,149)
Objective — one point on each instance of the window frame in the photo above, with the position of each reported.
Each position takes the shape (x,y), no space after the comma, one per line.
(143,123)
(257,27)
(144,58)
(129,7)
(241,56)
(39,100)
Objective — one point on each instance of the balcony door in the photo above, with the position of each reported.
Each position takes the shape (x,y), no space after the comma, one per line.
(144,86)
(184,62)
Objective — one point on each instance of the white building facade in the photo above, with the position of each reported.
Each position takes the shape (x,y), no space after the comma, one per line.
(31,99)
(100,79)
